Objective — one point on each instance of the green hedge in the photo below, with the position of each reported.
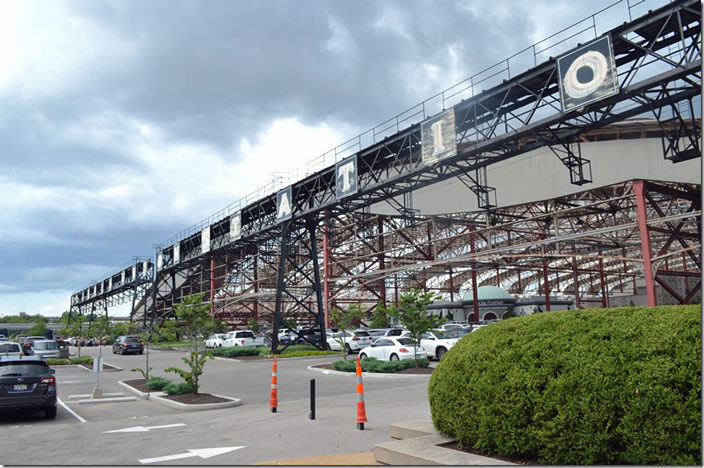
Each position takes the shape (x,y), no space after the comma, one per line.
(234,351)
(374,365)
(305,353)
(157,384)
(76,360)
(598,386)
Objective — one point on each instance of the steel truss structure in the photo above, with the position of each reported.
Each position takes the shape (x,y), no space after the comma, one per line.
(589,244)
(128,283)
(264,251)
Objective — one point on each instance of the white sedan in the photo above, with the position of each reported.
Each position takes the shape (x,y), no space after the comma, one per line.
(392,349)
(215,341)
(332,342)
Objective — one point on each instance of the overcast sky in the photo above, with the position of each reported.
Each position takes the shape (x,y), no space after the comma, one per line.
(124,122)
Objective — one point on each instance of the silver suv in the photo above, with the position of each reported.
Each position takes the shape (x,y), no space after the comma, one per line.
(45,349)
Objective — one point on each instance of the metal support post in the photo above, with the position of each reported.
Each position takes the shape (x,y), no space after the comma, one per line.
(642,214)
(475,295)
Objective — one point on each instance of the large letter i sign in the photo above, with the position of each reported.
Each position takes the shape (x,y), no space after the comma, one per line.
(439,137)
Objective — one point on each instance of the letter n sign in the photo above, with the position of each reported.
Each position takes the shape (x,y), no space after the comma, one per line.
(346,177)
(283,205)
(439,137)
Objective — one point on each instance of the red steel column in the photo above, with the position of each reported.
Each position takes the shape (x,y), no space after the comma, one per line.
(452,287)
(382,265)
(604,288)
(547,286)
(212,285)
(575,279)
(475,296)
(642,214)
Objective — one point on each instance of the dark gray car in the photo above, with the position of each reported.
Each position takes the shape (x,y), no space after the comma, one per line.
(27,382)
(128,345)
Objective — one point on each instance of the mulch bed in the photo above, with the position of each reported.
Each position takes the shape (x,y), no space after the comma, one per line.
(517,460)
(188,398)
(411,370)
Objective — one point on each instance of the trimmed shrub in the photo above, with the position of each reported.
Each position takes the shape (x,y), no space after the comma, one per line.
(234,351)
(57,362)
(81,360)
(173,388)
(157,383)
(374,365)
(306,353)
(584,387)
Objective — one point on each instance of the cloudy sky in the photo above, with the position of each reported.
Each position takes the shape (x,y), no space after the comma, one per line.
(124,122)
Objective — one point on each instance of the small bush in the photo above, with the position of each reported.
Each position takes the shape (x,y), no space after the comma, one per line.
(234,351)
(57,362)
(157,383)
(584,387)
(306,353)
(173,388)
(376,366)
(81,360)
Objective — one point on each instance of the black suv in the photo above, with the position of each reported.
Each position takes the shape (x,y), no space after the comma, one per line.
(27,382)
(127,344)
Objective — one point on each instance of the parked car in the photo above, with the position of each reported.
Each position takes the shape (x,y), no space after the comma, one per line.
(333,344)
(44,349)
(9,348)
(243,338)
(63,349)
(27,382)
(214,341)
(354,340)
(436,343)
(450,326)
(29,342)
(392,349)
(127,344)
(456,332)
(308,336)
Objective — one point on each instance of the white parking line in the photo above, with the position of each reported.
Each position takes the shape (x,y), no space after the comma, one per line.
(63,405)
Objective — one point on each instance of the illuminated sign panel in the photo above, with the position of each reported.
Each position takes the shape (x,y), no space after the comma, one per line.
(439,137)
(346,177)
(284,207)
(587,74)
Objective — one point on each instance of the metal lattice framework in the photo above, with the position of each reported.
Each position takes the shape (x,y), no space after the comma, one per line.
(657,59)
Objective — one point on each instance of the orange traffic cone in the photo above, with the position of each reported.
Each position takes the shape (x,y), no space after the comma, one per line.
(273,401)
(361,412)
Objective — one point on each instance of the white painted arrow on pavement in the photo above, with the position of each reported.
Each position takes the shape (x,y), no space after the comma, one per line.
(143,429)
(202,453)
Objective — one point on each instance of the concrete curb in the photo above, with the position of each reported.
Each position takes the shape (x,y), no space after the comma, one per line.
(376,375)
(88,395)
(90,401)
(116,369)
(204,407)
(417,443)
(139,393)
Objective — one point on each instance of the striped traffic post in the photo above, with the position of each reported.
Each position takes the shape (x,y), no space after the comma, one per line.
(361,412)
(273,400)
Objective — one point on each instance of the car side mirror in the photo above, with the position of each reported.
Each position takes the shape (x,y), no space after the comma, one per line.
(52,371)
(373,345)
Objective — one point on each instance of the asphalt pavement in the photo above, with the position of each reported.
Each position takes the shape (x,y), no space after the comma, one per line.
(146,432)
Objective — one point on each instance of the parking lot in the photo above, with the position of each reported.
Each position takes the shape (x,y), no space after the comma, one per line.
(157,434)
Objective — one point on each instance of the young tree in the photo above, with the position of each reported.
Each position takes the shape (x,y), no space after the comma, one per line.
(379,318)
(414,315)
(75,328)
(253,324)
(194,315)
(344,320)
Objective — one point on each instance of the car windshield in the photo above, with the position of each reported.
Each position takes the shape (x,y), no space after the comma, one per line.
(440,335)
(131,339)
(25,369)
(406,341)
(455,333)
(9,348)
(44,345)
(362,333)
(220,335)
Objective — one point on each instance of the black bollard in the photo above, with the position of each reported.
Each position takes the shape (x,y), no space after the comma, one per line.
(311,415)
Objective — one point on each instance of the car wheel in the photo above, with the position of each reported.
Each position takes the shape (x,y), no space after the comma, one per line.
(440,352)
(362,356)
(348,350)
(50,412)
(141,352)
(393,358)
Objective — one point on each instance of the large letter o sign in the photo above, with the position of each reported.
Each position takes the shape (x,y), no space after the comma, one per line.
(599,67)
